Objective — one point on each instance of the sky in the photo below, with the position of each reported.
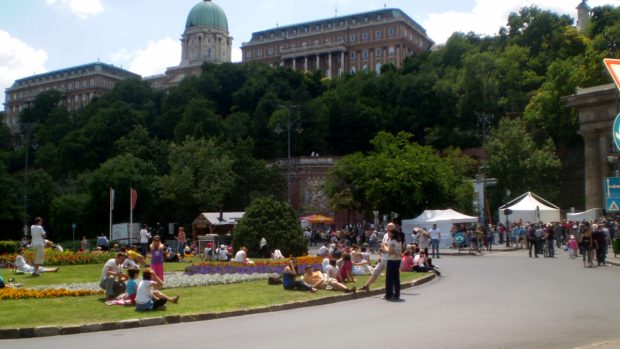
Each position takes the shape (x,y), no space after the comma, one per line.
(38,36)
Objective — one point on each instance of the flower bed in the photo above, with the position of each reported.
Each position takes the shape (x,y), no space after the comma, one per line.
(22,293)
(53,257)
(262,267)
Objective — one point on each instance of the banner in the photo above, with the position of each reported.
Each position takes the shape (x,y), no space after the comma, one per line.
(134,198)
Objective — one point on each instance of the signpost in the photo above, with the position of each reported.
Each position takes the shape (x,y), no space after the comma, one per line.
(612,194)
(73,226)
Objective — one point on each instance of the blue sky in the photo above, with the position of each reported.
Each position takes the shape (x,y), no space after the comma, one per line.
(37,36)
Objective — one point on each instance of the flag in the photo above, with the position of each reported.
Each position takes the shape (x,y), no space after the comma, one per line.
(111,198)
(134,198)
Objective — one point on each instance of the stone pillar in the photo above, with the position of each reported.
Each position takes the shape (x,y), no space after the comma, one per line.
(306,64)
(329,65)
(318,63)
(594,179)
(341,62)
(294,63)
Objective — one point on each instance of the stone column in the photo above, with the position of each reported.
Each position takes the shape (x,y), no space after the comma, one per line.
(594,180)
(318,63)
(306,64)
(294,63)
(329,65)
(341,62)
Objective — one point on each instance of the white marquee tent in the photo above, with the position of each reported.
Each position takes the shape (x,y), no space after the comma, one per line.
(532,208)
(588,215)
(444,220)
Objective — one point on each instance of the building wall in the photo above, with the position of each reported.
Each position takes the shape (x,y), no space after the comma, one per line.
(597,108)
(362,42)
(78,85)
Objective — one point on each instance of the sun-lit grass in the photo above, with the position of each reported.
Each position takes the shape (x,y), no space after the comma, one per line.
(194,300)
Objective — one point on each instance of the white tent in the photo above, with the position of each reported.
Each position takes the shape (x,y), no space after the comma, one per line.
(588,215)
(530,207)
(444,220)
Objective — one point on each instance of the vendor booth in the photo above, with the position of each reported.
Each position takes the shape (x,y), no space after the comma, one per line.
(530,207)
(444,220)
(220,223)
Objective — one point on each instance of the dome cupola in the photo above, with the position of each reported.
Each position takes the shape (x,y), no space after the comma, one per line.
(207,14)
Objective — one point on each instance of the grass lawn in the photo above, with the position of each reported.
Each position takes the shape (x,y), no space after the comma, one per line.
(194,300)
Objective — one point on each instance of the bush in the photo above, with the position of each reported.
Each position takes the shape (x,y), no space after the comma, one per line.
(276,222)
(8,246)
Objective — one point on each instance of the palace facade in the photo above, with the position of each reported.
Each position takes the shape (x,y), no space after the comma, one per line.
(360,42)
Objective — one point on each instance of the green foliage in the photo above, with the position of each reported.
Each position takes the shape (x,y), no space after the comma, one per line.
(67,209)
(397,176)
(276,222)
(8,247)
(519,163)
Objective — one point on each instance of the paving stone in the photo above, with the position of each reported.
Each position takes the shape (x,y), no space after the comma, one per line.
(71,330)
(46,331)
(123,324)
(90,328)
(109,326)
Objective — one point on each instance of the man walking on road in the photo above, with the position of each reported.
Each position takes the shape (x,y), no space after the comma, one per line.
(435,238)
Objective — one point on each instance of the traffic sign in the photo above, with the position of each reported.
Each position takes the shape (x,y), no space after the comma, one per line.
(612,205)
(616,131)
(613,66)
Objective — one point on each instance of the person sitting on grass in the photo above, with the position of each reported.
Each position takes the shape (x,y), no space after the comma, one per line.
(277,254)
(316,279)
(22,267)
(242,256)
(129,297)
(134,259)
(422,264)
(112,277)
(406,263)
(288,278)
(332,270)
(147,297)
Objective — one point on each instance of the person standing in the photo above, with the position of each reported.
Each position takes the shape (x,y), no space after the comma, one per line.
(550,240)
(585,244)
(38,244)
(144,239)
(102,242)
(84,245)
(598,236)
(392,274)
(263,247)
(181,243)
(435,238)
(382,263)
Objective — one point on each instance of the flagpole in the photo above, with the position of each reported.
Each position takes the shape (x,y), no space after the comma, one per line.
(111,209)
(130,214)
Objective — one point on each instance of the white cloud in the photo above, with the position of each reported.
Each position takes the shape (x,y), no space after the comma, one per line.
(152,60)
(488,16)
(80,8)
(18,60)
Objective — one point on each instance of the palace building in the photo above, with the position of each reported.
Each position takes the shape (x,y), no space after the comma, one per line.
(78,85)
(360,42)
(205,39)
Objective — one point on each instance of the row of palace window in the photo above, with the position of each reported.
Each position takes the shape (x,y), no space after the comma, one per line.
(68,86)
(316,27)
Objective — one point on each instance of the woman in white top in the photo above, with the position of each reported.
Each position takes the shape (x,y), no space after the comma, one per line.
(147,298)
(392,274)
(23,267)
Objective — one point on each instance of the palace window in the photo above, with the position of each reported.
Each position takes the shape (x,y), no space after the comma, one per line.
(353,56)
(352,38)
(391,51)
(391,32)
(270,51)
(378,34)
(365,54)
(259,52)
(378,52)
(365,36)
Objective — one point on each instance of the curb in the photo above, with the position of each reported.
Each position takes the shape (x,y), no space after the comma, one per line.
(46,331)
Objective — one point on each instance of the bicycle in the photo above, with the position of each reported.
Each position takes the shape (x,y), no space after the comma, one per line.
(475,247)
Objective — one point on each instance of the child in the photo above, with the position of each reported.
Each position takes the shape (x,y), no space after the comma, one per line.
(346,272)
(157,257)
(572,246)
(132,285)
(147,298)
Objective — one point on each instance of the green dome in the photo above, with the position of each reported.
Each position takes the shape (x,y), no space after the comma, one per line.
(207,14)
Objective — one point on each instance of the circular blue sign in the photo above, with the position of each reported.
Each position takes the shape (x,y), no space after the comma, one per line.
(616,132)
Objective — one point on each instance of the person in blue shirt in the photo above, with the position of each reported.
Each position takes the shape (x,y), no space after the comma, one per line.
(288,278)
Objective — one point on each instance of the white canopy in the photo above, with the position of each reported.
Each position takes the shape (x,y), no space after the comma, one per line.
(444,220)
(588,215)
(532,208)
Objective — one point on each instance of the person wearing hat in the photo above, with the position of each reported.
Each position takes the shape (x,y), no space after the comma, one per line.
(572,246)
(208,252)
(221,253)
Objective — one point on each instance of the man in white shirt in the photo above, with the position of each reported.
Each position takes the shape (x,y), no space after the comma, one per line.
(144,240)
(242,256)
(38,244)
(112,276)
(435,238)
(382,264)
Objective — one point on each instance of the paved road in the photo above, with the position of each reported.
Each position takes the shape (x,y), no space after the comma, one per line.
(500,300)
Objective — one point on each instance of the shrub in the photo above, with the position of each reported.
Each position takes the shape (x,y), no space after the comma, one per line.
(276,222)
(8,247)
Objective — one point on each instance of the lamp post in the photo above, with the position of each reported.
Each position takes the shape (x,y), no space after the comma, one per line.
(27,128)
(288,123)
(507,212)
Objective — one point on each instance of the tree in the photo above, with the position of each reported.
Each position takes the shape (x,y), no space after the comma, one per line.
(276,222)
(201,175)
(519,163)
(66,210)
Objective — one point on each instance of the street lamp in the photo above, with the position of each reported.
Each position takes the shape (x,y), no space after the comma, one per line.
(288,124)
(27,128)
(507,212)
